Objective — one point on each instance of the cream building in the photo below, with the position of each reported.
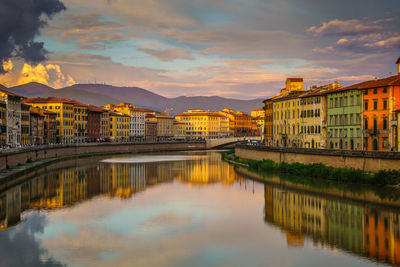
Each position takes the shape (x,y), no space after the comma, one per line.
(13,116)
(313,119)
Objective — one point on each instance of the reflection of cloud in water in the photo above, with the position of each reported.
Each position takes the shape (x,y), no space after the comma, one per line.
(169,219)
(153,158)
(19,247)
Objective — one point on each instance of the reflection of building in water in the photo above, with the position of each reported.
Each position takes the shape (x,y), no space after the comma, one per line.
(122,180)
(345,225)
(380,241)
(353,228)
(207,170)
(296,213)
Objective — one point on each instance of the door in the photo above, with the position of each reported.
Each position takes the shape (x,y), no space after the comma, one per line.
(375,144)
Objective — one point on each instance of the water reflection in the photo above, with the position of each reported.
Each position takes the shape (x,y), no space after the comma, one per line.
(218,211)
(362,230)
(73,185)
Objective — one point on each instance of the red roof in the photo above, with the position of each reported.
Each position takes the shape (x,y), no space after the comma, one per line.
(392,80)
(96,109)
(48,100)
(295,79)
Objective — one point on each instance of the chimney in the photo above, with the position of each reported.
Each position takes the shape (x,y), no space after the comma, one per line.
(398,66)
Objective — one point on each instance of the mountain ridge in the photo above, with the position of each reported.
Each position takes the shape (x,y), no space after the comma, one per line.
(101,94)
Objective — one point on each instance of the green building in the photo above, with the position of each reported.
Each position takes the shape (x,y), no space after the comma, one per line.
(344,119)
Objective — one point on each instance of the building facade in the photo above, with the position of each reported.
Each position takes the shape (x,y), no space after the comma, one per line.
(151,128)
(269,122)
(13,116)
(165,127)
(3,123)
(80,122)
(36,126)
(204,124)
(179,129)
(94,123)
(105,125)
(25,125)
(240,123)
(50,127)
(313,119)
(119,127)
(287,120)
(344,122)
(65,115)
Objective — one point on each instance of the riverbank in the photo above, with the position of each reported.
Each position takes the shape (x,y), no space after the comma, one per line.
(318,171)
(16,164)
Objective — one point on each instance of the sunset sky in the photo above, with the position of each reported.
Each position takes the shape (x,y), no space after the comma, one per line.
(232,48)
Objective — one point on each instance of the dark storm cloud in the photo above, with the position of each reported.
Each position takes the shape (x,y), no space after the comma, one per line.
(20,22)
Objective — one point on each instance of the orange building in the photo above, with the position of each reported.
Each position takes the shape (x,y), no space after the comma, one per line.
(381,97)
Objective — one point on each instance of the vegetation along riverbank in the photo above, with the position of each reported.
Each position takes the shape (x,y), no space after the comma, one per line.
(317,170)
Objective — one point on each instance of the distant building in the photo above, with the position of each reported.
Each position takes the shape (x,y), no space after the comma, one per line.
(179,129)
(80,122)
(255,113)
(94,122)
(50,127)
(240,123)
(25,125)
(119,127)
(150,128)
(36,126)
(65,115)
(137,119)
(165,127)
(13,116)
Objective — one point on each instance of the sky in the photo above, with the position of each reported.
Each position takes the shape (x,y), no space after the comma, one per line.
(241,49)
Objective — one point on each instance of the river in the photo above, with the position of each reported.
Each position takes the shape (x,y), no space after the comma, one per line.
(188,209)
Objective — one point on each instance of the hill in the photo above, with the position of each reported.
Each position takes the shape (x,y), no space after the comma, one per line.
(101,94)
(31,89)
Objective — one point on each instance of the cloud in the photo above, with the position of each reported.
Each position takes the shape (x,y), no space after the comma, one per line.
(168,54)
(48,74)
(344,28)
(90,30)
(20,23)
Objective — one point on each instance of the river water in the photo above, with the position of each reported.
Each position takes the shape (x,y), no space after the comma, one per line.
(190,209)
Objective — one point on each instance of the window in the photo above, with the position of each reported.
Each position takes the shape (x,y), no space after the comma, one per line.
(384,124)
(366,124)
(375,91)
(384,142)
(385,90)
(366,105)
(384,104)
(375,104)
(375,125)
(366,144)
(366,92)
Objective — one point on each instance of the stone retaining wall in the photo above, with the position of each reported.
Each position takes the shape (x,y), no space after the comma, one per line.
(369,161)
(9,159)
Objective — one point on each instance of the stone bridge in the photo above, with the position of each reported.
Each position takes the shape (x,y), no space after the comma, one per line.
(222,142)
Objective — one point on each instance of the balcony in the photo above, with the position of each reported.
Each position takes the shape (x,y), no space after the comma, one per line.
(375,131)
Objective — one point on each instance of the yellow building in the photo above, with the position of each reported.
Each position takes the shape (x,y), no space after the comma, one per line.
(119,127)
(25,125)
(64,109)
(80,122)
(165,127)
(255,113)
(286,114)
(204,124)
